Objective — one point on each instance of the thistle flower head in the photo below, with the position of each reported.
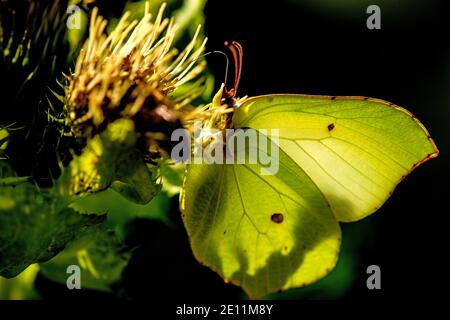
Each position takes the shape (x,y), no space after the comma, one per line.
(133,72)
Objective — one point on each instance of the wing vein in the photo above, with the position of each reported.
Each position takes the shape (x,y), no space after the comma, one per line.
(331,176)
(359,171)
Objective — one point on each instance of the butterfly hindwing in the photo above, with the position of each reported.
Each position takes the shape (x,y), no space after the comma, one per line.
(262,232)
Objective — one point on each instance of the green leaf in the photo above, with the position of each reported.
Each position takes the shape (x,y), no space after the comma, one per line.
(172,177)
(8,176)
(12,181)
(135,180)
(228,211)
(109,159)
(99,255)
(4,136)
(34,227)
(121,211)
(20,287)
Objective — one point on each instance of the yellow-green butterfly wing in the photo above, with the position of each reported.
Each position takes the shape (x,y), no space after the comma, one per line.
(262,232)
(340,159)
(355,149)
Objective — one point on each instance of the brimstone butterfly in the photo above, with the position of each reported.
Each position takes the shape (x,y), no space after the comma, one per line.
(340,159)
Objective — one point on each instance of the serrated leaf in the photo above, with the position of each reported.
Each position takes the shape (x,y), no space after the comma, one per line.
(109,157)
(34,227)
(98,253)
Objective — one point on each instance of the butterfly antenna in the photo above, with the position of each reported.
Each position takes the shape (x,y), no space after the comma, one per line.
(227,60)
(237,53)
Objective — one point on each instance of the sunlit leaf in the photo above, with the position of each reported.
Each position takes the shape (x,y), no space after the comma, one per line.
(20,287)
(109,159)
(122,211)
(99,255)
